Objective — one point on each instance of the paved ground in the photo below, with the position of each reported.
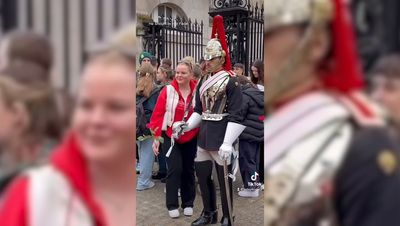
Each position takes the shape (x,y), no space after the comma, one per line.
(151,210)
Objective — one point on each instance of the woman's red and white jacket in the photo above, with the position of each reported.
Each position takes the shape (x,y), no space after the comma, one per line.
(57,194)
(170,108)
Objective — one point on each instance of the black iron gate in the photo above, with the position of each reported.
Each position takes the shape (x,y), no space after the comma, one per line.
(174,38)
(244,24)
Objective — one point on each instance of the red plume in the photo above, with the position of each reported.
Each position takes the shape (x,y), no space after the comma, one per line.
(345,73)
(219,31)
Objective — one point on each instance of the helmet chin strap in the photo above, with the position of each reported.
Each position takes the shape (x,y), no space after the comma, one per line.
(286,78)
(218,65)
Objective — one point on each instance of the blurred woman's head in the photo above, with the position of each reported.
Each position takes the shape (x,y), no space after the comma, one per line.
(12,113)
(147,78)
(166,63)
(33,75)
(26,46)
(257,72)
(104,116)
(164,74)
(184,71)
(24,115)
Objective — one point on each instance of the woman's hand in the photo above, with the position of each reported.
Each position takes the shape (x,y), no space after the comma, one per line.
(156,146)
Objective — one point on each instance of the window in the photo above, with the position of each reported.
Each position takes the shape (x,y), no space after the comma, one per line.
(164,11)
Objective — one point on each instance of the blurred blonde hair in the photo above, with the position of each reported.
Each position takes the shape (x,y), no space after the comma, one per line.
(111,57)
(125,35)
(124,41)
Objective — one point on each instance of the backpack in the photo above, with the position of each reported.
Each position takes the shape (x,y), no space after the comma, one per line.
(141,118)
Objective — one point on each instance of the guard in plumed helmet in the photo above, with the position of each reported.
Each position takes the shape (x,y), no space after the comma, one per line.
(330,160)
(217,111)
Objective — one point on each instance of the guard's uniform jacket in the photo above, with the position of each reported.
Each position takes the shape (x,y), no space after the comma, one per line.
(329,159)
(217,105)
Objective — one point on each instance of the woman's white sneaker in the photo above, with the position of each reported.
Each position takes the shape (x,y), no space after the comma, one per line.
(173,213)
(188,211)
(249,193)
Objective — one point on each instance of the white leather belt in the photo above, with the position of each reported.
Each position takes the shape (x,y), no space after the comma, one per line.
(213,117)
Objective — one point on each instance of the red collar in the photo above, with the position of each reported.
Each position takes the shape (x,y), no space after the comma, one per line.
(69,160)
(192,85)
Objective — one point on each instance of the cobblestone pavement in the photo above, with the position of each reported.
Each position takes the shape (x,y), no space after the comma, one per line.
(151,210)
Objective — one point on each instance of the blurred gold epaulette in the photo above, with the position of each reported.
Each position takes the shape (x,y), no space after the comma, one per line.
(231,73)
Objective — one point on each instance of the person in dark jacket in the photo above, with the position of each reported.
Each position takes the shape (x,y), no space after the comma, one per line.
(147,89)
(251,138)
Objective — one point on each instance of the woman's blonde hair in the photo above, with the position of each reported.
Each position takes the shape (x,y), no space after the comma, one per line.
(188,61)
(37,102)
(146,80)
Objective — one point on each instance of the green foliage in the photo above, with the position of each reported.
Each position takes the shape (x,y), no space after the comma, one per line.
(145,137)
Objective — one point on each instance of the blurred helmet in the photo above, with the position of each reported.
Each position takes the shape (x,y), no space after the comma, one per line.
(289,12)
(342,72)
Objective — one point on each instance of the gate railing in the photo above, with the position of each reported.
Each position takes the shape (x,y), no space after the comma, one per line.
(174,38)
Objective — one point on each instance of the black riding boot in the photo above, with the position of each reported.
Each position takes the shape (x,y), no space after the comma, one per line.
(207,187)
(225,221)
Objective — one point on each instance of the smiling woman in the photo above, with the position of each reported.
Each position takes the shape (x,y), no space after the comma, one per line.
(90,180)
(105,110)
(175,104)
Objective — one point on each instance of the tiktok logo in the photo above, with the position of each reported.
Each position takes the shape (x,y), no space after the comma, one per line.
(254,176)
(254,184)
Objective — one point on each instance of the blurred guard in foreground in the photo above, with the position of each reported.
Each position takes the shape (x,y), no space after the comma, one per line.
(89,178)
(329,160)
